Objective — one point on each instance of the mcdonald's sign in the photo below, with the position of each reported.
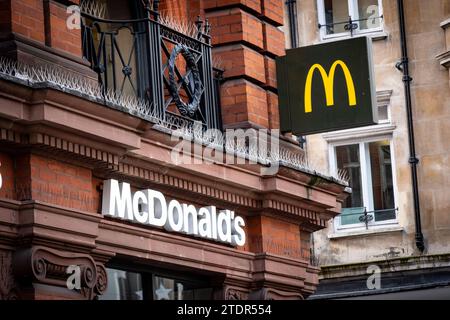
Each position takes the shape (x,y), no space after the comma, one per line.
(327,87)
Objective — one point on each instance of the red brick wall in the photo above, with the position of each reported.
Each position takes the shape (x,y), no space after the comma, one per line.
(60,36)
(274,113)
(273,11)
(267,234)
(244,101)
(23,174)
(41,21)
(246,39)
(28,19)
(239,61)
(253,5)
(175,8)
(8,190)
(235,25)
(28,176)
(62,184)
(305,243)
(195,8)
(274,42)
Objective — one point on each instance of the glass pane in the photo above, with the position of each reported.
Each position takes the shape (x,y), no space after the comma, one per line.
(336,11)
(170,289)
(164,289)
(348,160)
(370,11)
(351,215)
(123,285)
(382,181)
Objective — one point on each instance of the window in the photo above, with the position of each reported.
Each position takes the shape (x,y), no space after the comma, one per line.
(368,166)
(335,15)
(125,285)
(171,289)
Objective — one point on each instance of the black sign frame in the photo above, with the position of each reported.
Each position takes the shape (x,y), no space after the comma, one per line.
(315,87)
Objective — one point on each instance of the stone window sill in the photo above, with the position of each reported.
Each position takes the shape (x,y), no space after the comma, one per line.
(363,233)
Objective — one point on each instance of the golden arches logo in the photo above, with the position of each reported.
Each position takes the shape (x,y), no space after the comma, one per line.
(328,82)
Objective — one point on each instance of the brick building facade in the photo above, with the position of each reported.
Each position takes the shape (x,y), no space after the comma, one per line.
(59,143)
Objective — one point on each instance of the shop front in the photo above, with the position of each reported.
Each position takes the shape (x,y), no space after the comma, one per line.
(93,203)
(58,210)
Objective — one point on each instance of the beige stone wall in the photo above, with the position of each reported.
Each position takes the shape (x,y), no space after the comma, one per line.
(431,108)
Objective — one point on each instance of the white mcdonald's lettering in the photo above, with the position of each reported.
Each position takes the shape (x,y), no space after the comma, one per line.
(150,207)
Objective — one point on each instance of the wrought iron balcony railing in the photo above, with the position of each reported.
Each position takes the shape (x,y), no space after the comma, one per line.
(361,215)
(169,69)
(350,25)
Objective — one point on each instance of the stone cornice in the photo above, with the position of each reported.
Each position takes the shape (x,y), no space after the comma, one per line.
(444,59)
(377,130)
(73,129)
(153,244)
(86,117)
(384,97)
(445,24)
(387,265)
(103,160)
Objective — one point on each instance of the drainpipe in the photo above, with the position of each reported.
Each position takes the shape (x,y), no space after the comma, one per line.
(292,15)
(403,65)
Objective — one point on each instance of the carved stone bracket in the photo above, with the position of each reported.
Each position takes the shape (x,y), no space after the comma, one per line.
(102,280)
(444,57)
(232,293)
(51,267)
(273,294)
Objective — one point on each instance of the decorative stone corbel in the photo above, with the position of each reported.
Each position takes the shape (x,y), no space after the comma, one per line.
(273,294)
(235,294)
(444,58)
(45,266)
(231,292)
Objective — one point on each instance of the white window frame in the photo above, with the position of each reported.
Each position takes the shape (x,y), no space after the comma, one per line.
(354,13)
(373,134)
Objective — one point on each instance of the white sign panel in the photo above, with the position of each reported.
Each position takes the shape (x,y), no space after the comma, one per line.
(150,207)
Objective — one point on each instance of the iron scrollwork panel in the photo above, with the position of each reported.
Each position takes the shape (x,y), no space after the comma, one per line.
(191,82)
(142,57)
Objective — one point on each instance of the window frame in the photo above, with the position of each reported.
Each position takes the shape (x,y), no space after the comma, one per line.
(147,273)
(366,178)
(354,13)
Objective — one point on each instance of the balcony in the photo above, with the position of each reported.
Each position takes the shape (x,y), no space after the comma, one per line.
(165,66)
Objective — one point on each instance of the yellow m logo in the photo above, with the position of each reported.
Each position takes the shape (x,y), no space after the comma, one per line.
(328,82)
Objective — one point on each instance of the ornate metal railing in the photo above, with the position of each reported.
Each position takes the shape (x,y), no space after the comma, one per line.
(363,216)
(350,25)
(169,69)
